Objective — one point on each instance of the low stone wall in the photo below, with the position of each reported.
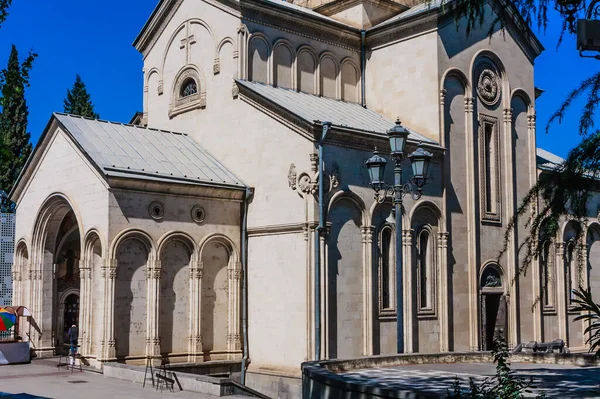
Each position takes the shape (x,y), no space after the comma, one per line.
(189,382)
(322,379)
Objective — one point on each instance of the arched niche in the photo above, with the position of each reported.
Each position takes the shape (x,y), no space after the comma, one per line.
(493,305)
(307,65)
(593,258)
(92,320)
(132,254)
(283,61)
(345,279)
(328,72)
(258,59)
(350,81)
(176,254)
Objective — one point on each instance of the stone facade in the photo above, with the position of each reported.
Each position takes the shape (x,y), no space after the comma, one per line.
(472,97)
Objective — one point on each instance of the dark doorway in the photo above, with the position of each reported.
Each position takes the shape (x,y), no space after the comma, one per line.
(493,319)
(71,313)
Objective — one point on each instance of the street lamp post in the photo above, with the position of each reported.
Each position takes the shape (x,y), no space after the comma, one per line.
(420,160)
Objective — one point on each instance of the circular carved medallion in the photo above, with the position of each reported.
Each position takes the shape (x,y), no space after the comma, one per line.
(488,87)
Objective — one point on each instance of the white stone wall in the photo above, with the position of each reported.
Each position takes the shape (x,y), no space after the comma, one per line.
(66,172)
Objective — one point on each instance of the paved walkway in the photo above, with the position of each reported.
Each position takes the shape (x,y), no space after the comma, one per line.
(557,381)
(44,379)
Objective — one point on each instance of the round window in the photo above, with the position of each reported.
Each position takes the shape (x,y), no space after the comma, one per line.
(156,210)
(198,214)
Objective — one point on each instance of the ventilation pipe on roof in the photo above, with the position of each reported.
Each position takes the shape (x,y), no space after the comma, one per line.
(244,258)
(363,65)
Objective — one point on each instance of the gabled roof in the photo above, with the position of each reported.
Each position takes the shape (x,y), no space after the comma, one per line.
(137,153)
(312,108)
(142,153)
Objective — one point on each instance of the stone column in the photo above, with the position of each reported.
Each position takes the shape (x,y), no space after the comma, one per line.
(325,291)
(472,239)
(583,281)
(561,292)
(153,273)
(367,246)
(234,344)
(83,306)
(109,274)
(442,297)
(407,290)
(195,337)
(512,250)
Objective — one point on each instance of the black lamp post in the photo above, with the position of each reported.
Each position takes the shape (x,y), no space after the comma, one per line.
(420,160)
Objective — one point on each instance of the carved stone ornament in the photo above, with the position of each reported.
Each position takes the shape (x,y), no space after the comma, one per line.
(488,87)
(305,184)
(216,66)
(335,176)
(160,88)
(235,90)
(292,176)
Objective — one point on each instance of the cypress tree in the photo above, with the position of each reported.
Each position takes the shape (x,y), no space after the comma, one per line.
(78,101)
(14,137)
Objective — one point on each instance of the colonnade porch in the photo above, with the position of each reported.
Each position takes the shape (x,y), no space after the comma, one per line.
(175,298)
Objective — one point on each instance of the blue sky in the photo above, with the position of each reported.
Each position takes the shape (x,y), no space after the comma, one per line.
(93,38)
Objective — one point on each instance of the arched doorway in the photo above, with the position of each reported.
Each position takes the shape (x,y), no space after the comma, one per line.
(493,306)
(68,254)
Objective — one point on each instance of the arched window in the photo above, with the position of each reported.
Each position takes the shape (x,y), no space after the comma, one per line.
(386,272)
(547,272)
(188,88)
(189,92)
(425,262)
(571,272)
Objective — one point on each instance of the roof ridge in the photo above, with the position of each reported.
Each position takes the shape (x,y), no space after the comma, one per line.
(119,123)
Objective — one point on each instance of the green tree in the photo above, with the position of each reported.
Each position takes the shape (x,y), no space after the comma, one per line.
(4,4)
(78,100)
(13,118)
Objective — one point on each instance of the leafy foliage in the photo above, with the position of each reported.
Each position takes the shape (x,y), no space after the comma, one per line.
(590,313)
(13,118)
(503,385)
(78,101)
(4,4)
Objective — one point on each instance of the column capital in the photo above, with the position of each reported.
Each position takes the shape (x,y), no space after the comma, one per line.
(196,274)
(507,113)
(234,274)
(443,239)
(468,104)
(407,237)
(443,96)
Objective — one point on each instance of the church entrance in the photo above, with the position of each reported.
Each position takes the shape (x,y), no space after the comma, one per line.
(67,278)
(493,307)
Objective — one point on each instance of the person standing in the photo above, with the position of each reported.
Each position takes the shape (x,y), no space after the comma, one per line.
(73,334)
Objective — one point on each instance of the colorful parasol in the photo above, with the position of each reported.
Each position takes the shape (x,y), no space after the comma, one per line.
(7,319)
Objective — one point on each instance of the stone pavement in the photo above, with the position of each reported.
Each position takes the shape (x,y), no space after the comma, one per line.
(44,379)
(557,381)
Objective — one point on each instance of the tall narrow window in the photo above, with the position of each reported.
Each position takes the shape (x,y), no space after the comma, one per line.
(489,168)
(386,238)
(547,276)
(423,268)
(571,271)
(425,260)
(386,273)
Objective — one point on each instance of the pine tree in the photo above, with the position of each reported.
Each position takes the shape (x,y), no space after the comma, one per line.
(78,101)
(14,137)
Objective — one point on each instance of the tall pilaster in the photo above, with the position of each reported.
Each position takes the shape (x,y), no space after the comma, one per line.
(407,290)
(234,343)
(367,245)
(443,300)
(472,274)
(109,275)
(195,338)
(153,274)
(561,292)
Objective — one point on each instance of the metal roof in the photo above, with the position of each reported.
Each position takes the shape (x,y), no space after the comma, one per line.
(548,160)
(340,113)
(416,10)
(142,153)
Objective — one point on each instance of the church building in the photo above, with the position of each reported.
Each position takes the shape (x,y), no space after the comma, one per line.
(192,234)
